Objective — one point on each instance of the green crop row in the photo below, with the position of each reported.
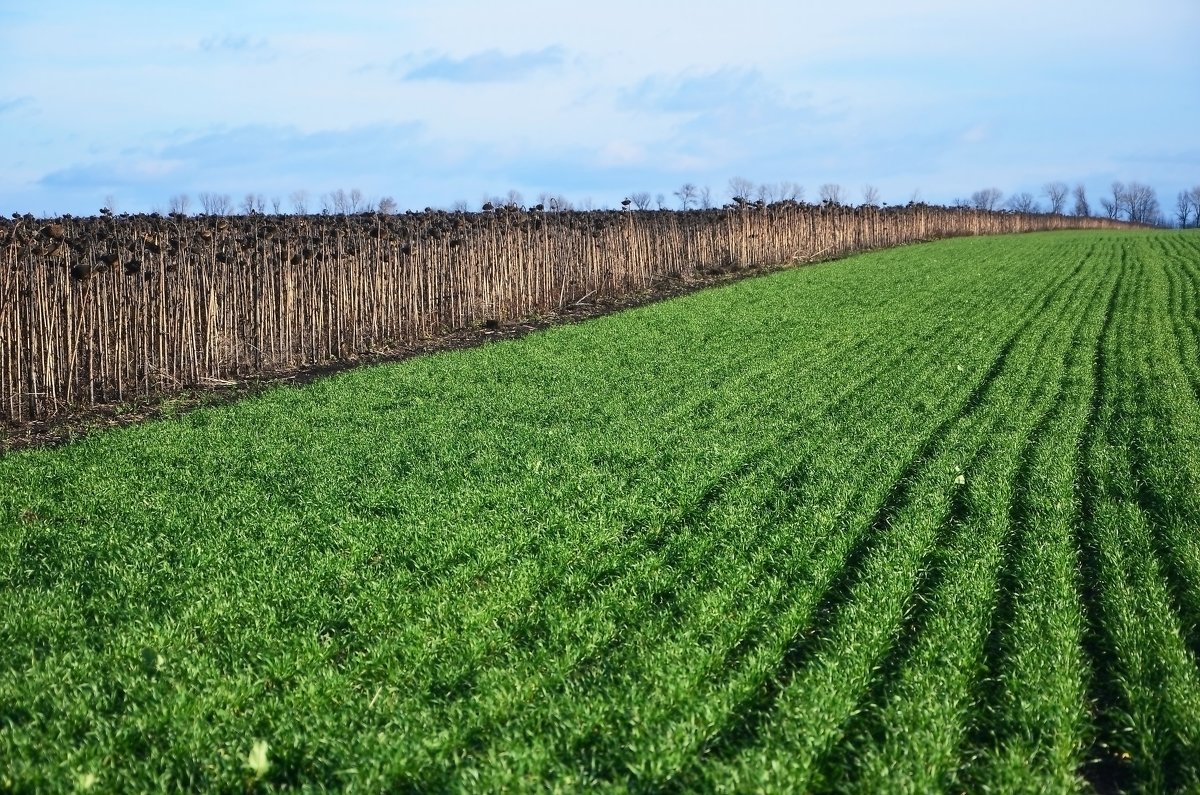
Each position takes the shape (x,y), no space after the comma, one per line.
(1138,540)
(920,520)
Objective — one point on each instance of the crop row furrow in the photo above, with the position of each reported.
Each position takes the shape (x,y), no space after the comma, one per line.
(837,667)
(1028,726)
(815,408)
(913,734)
(796,547)
(607,566)
(766,571)
(501,561)
(1165,460)
(838,556)
(1147,680)
(1181,313)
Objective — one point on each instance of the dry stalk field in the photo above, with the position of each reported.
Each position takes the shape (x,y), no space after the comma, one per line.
(101,310)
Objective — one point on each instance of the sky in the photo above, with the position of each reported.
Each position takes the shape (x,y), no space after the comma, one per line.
(431,103)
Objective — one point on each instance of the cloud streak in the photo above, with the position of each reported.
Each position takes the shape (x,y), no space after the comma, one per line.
(232,44)
(255,157)
(15,104)
(257,48)
(702,93)
(125,172)
(489,66)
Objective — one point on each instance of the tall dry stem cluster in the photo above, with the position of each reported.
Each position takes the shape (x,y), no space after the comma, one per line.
(100,310)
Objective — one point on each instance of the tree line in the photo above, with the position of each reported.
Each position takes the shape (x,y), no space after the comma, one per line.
(1134,202)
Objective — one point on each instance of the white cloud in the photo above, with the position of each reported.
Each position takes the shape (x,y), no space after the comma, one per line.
(239,46)
(15,103)
(489,66)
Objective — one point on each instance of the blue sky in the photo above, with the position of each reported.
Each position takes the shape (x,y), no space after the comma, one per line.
(430,103)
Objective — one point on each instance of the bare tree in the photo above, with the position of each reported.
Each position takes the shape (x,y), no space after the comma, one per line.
(1110,207)
(686,195)
(706,201)
(1183,208)
(641,199)
(355,201)
(253,203)
(740,188)
(1194,193)
(987,199)
(513,198)
(387,206)
(179,204)
(1141,204)
(870,196)
(276,205)
(791,191)
(110,204)
(460,206)
(1056,193)
(1116,206)
(1082,208)
(299,199)
(216,203)
(661,201)
(1023,203)
(1138,203)
(337,201)
(766,193)
(962,204)
(832,193)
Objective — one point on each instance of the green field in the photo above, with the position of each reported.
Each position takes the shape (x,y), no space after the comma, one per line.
(921,520)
